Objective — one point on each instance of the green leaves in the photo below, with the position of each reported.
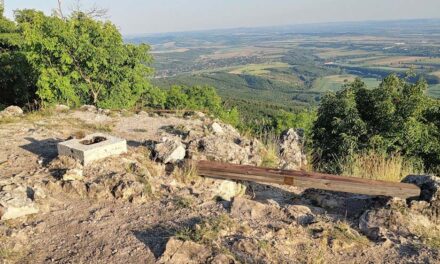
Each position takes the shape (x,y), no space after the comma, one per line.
(17,79)
(395,117)
(83,61)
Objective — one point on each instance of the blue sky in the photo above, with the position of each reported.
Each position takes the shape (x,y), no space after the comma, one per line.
(151,16)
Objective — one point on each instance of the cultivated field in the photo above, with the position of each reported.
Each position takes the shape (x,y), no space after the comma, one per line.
(295,69)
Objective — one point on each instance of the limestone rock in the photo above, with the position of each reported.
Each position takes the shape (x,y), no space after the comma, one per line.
(217,129)
(132,191)
(104,111)
(200,115)
(343,203)
(395,217)
(430,192)
(170,150)
(88,108)
(291,147)
(302,214)
(62,108)
(16,201)
(76,188)
(247,209)
(184,252)
(226,190)
(223,259)
(371,227)
(11,111)
(73,175)
(226,149)
(429,185)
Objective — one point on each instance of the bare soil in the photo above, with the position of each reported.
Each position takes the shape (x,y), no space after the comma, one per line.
(74,226)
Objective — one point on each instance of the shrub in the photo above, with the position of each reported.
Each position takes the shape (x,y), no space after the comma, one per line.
(395,118)
(201,98)
(79,60)
(285,120)
(17,78)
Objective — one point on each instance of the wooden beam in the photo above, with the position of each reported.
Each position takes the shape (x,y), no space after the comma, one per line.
(306,179)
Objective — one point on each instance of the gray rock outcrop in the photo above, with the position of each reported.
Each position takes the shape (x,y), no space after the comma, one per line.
(11,111)
(170,150)
(225,144)
(16,201)
(291,147)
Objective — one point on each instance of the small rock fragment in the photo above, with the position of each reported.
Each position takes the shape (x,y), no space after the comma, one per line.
(73,175)
(170,151)
(62,108)
(229,189)
(179,252)
(16,201)
(88,108)
(247,209)
(302,214)
(217,129)
(11,111)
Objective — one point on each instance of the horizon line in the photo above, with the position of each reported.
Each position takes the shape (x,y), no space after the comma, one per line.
(275,26)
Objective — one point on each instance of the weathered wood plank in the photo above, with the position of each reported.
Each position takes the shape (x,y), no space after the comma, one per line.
(306,179)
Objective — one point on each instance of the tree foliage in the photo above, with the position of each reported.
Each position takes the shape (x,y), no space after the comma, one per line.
(17,78)
(80,60)
(396,117)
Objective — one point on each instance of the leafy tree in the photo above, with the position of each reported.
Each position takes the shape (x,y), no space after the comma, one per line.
(202,98)
(194,98)
(285,120)
(16,75)
(396,117)
(80,60)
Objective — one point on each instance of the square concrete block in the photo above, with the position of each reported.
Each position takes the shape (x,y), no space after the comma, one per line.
(92,147)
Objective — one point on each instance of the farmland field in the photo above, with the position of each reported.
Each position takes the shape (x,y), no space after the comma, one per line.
(292,67)
(334,82)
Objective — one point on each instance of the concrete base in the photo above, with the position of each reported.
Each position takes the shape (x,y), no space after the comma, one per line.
(92,147)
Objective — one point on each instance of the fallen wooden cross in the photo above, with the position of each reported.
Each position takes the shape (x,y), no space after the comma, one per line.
(306,179)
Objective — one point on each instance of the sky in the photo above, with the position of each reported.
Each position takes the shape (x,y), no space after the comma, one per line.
(156,16)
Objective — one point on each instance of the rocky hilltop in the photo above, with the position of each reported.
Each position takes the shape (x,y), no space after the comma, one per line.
(149,206)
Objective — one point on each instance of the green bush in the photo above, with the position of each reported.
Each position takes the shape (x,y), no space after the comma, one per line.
(17,78)
(395,118)
(285,120)
(80,60)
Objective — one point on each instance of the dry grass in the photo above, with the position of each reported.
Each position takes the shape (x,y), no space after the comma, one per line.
(259,69)
(183,202)
(429,235)
(187,174)
(208,230)
(394,60)
(29,117)
(343,233)
(333,53)
(107,127)
(378,167)
(271,152)
(9,255)
(8,120)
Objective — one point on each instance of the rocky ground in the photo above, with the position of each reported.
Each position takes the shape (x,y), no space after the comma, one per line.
(146,206)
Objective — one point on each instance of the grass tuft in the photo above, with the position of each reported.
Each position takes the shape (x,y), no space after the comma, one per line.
(270,154)
(376,166)
(187,174)
(208,230)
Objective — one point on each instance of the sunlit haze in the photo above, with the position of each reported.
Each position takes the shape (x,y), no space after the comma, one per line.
(149,16)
